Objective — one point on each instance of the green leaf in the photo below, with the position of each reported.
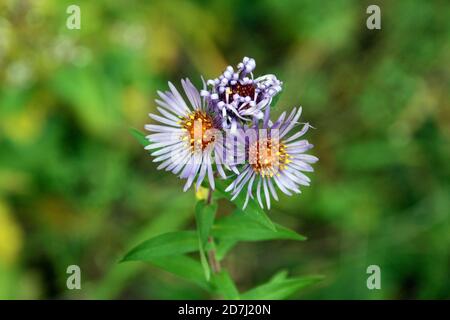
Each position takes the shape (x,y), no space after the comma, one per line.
(279,288)
(140,136)
(253,210)
(164,245)
(225,285)
(238,227)
(204,215)
(204,262)
(279,276)
(223,247)
(184,267)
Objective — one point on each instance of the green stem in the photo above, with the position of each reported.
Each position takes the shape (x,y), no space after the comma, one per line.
(209,198)
(213,262)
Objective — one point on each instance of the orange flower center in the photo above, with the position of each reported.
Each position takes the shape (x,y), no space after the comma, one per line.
(267,157)
(198,126)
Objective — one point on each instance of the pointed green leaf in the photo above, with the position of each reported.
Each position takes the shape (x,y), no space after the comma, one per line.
(184,267)
(225,285)
(223,247)
(279,276)
(140,136)
(279,288)
(253,210)
(238,227)
(164,245)
(204,215)
(204,262)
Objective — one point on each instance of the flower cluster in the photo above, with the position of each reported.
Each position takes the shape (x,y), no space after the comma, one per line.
(224,130)
(236,95)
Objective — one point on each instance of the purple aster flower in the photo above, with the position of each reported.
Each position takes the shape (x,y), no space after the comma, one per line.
(238,96)
(275,159)
(188,140)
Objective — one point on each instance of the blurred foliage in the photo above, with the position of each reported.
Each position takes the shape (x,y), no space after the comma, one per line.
(76,188)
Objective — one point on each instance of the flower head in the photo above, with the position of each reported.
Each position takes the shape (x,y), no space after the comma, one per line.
(188,141)
(275,159)
(226,125)
(238,96)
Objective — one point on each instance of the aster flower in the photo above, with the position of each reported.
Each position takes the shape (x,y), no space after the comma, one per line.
(238,96)
(187,139)
(276,159)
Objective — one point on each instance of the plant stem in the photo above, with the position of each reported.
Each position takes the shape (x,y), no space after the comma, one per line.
(213,262)
(209,198)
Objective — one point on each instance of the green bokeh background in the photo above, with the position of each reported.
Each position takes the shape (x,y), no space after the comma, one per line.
(76,188)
